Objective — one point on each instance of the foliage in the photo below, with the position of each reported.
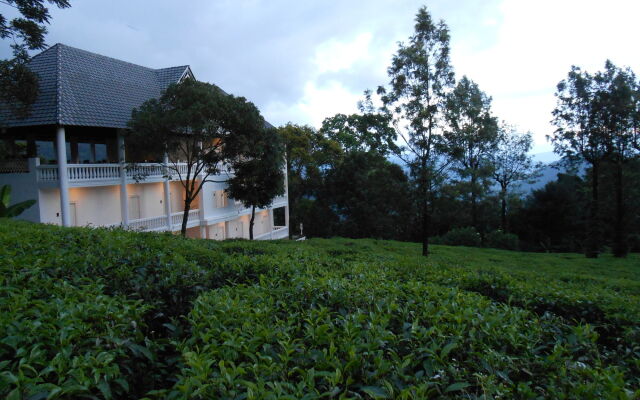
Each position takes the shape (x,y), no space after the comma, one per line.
(501,240)
(116,314)
(420,76)
(511,163)
(369,131)
(258,169)
(470,139)
(370,196)
(18,85)
(597,118)
(191,123)
(467,236)
(309,155)
(10,211)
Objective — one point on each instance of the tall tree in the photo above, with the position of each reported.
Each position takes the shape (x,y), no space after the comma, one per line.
(309,154)
(370,195)
(257,159)
(369,130)
(18,84)
(617,105)
(470,139)
(421,76)
(511,163)
(191,123)
(580,135)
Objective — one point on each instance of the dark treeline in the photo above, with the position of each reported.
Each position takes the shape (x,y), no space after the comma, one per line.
(457,169)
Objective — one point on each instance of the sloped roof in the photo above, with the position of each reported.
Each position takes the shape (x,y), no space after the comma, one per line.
(81,88)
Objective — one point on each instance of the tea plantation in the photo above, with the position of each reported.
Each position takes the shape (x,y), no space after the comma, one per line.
(109,314)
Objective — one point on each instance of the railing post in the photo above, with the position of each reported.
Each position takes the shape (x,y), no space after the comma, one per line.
(124,199)
(63,180)
(167,193)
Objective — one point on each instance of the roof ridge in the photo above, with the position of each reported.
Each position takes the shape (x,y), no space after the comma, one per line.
(58,107)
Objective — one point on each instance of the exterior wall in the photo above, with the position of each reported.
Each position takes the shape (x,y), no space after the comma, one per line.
(22,188)
(97,203)
(151,197)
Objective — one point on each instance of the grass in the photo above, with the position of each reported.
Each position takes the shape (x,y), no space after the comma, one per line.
(113,314)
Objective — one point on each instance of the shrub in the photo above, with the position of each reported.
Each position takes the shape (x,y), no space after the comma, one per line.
(501,240)
(95,313)
(461,237)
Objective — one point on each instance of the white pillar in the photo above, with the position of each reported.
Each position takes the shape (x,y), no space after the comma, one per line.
(124,198)
(203,220)
(167,193)
(286,194)
(270,226)
(63,178)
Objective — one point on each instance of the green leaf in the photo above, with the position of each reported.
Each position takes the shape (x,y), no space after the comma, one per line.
(375,392)
(456,386)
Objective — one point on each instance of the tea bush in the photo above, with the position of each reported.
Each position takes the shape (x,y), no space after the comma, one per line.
(501,240)
(95,313)
(461,237)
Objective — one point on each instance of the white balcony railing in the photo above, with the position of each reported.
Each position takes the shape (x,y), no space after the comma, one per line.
(278,232)
(108,173)
(160,223)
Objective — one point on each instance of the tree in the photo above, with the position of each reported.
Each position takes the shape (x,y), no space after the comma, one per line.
(191,123)
(511,163)
(617,106)
(580,135)
(257,159)
(470,139)
(371,197)
(18,85)
(10,211)
(309,154)
(367,131)
(421,76)
(553,218)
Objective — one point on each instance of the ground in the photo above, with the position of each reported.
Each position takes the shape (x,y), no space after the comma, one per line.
(115,314)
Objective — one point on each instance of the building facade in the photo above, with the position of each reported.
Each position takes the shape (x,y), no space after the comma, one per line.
(71,156)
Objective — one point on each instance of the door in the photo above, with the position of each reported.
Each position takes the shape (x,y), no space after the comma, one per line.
(73,214)
(237,230)
(134,207)
(217,232)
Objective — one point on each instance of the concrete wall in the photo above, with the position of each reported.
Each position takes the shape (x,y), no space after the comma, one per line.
(23,187)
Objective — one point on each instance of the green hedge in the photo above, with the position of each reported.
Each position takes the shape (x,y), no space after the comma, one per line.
(93,313)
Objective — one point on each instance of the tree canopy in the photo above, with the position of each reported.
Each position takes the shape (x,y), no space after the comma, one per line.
(18,85)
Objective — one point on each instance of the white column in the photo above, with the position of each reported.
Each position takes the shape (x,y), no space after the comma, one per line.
(203,220)
(167,193)
(270,226)
(286,193)
(63,178)
(124,198)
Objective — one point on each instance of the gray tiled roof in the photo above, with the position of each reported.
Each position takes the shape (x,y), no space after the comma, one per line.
(87,89)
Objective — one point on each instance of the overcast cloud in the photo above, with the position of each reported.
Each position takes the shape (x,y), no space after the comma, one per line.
(303,61)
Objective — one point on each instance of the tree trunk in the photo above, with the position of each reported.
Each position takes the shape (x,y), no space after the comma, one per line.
(426,217)
(620,246)
(474,201)
(503,209)
(253,217)
(593,228)
(185,217)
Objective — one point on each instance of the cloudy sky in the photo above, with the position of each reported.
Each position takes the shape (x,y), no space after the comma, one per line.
(302,61)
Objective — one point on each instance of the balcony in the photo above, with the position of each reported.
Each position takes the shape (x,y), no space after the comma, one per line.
(105,174)
(155,224)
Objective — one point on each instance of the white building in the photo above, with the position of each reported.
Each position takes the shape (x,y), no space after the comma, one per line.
(70,155)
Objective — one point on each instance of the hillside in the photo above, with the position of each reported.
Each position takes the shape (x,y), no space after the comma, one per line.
(113,314)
